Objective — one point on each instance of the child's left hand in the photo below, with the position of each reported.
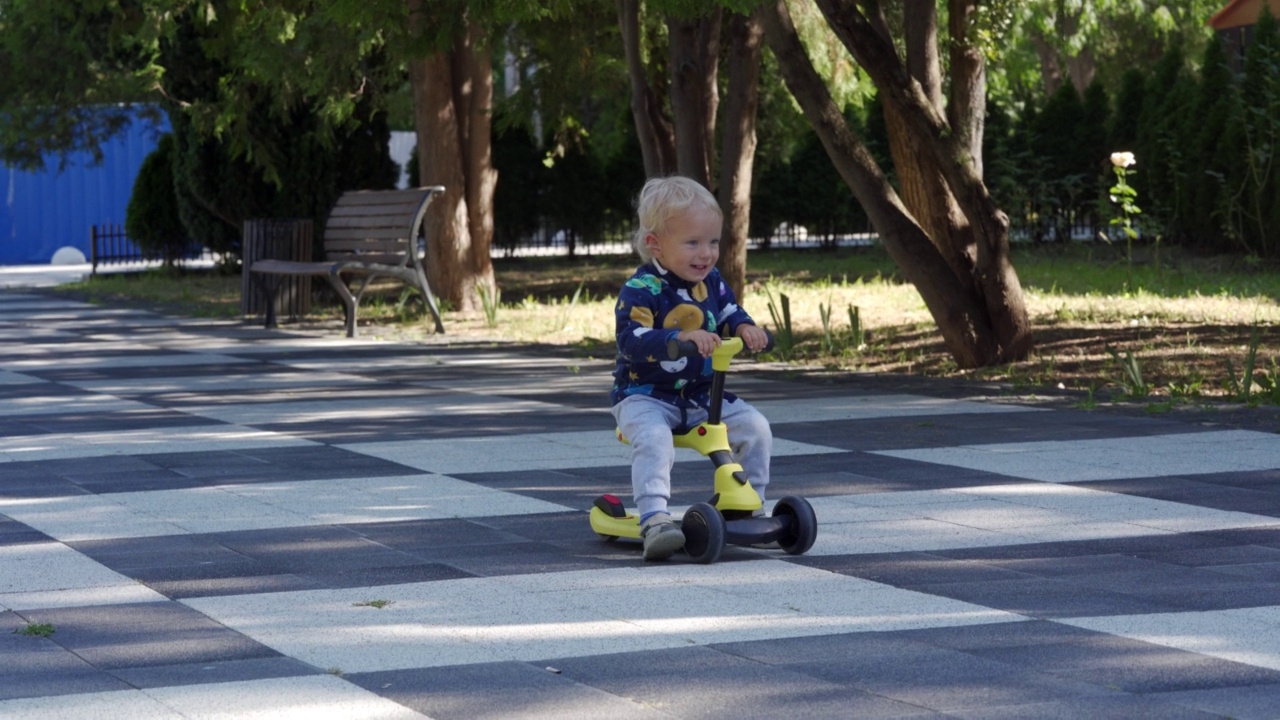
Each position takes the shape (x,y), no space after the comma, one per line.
(753,337)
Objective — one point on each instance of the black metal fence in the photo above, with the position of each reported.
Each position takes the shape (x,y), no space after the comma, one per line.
(110,245)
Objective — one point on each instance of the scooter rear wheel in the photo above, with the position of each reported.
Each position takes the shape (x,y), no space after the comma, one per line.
(703,528)
(803,525)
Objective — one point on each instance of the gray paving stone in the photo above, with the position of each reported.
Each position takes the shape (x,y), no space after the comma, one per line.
(1120,707)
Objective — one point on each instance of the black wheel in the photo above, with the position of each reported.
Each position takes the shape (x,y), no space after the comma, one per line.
(607,538)
(703,533)
(802,529)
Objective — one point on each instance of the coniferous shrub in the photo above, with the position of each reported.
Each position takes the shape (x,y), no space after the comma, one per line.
(151,218)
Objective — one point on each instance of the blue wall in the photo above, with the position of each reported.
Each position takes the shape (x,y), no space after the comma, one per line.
(45,210)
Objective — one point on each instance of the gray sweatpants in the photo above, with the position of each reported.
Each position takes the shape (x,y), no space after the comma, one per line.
(647,425)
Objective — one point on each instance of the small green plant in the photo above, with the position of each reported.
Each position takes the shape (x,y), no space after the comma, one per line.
(335,671)
(1089,402)
(379,604)
(828,342)
(36,630)
(1131,380)
(784,339)
(1242,389)
(857,336)
(490,299)
(570,304)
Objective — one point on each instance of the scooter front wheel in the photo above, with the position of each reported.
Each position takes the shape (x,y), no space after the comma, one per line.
(802,528)
(703,528)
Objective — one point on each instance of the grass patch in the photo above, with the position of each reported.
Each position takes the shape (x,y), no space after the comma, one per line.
(36,630)
(1182,328)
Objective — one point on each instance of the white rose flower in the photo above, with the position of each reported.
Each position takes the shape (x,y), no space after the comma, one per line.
(1123,159)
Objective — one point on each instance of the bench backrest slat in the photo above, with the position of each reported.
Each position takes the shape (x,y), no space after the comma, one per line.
(379,226)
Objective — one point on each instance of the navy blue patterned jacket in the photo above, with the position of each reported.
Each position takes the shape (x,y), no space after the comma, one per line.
(653,307)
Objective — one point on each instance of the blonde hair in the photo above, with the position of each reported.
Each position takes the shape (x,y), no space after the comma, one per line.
(663,198)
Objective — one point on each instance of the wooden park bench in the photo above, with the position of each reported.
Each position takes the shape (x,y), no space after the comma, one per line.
(369,234)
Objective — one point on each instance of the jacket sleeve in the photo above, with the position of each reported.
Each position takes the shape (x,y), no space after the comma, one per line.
(638,340)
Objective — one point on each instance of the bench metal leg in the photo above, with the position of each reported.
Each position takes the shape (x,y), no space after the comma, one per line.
(429,299)
(349,302)
(269,287)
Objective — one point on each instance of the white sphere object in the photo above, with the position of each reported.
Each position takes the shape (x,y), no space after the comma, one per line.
(68,256)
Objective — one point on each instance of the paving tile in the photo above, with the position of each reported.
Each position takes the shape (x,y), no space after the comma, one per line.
(723,685)
(528,691)
(1253,702)
(113,637)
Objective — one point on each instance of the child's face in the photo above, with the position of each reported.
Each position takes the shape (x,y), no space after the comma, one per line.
(689,245)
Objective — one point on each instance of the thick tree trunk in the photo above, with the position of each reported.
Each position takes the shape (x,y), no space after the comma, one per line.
(695,96)
(961,319)
(737,159)
(452,93)
(993,273)
(653,127)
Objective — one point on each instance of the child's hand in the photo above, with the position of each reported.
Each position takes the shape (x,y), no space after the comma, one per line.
(707,342)
(753,337)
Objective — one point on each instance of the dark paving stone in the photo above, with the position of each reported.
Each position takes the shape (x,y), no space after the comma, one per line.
(233,585)
(1254,702)
(119,421)
(36,666)
(113,637)
(203,673)
(1210,557)
(1219,496)
(1126,707)
(13,532)
(909,569)
(394,429)
(1259,572)
(1139,545)
(703,681)
(892,665)
(397,575)
(312,549)
(527,691)
(1131,665)
(1047,598)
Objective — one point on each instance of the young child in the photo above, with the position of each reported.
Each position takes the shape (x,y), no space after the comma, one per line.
(678,293)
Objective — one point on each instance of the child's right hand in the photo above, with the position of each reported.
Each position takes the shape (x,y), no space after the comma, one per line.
(706,341)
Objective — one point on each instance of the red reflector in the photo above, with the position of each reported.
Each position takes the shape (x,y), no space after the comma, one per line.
(702,431)
(611,499)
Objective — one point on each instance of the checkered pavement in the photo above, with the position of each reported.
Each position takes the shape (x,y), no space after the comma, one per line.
(216,520)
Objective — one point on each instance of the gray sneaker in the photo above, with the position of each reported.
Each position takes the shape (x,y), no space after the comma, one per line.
(662,538)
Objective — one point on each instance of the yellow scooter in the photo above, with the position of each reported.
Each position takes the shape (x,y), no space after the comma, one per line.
(729,516)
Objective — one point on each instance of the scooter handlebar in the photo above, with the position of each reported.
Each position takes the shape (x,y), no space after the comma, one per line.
(677,349)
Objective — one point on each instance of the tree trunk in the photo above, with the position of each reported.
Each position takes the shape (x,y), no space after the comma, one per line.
(653,127)
(961,320)
(695,96)
(453,91)
(981,316)
(737,158)
(946,152)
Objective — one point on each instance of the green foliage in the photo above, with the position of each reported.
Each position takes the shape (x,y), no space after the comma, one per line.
(1131,381)
(36,630)
(151,219)
(784,337)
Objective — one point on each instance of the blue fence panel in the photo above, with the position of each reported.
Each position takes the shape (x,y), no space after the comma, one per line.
(50,209)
